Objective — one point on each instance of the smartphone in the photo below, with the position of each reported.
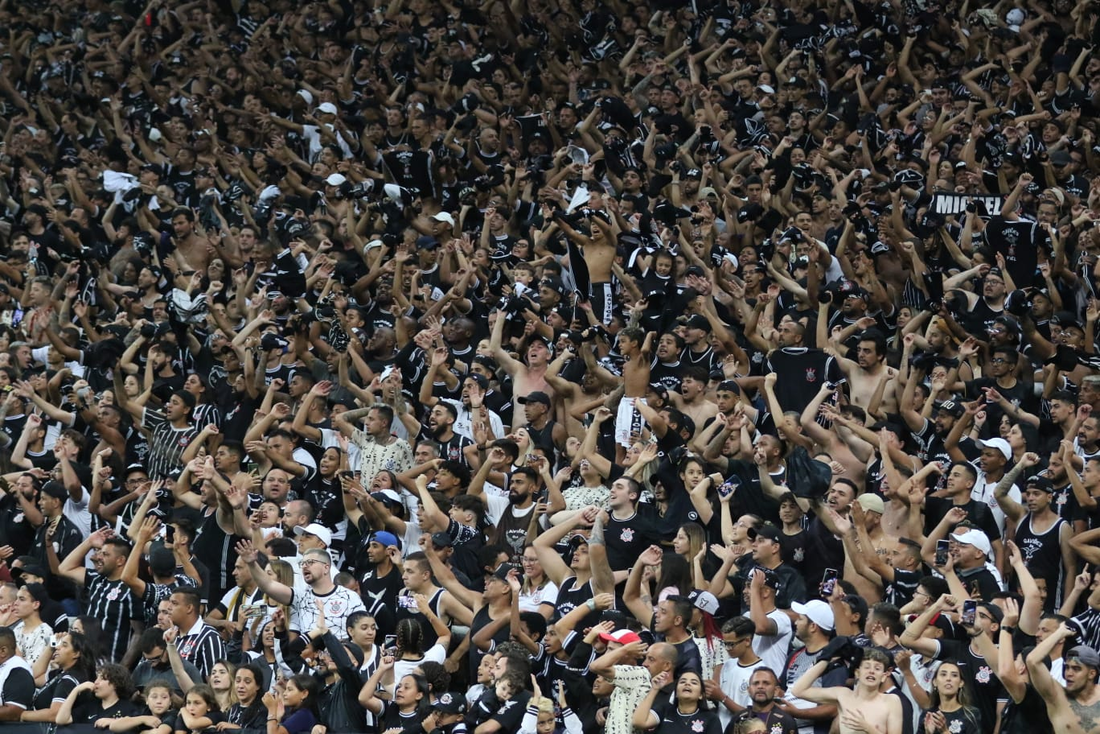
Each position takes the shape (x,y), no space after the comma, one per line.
(942,547)
(828,582)
(969,613)
(349,475)
(406,602)
(169,534)
(726,488)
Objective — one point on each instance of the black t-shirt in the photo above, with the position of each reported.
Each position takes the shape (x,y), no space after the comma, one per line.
(122,708)
(977,513)
(967,720)
(823,550)
(380,597)
(18,688)
(801,374)
(626,539)
(899,592)
(985,688)
(699,722)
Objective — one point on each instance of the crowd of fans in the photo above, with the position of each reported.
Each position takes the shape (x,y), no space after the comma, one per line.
(550,366)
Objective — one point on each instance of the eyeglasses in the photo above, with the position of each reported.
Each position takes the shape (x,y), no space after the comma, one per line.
(733,643)
(309,561)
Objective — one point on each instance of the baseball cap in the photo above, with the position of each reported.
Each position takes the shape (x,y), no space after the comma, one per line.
(704,601)
(817,611)
(766,531)
(538,396)
(444,217)
(623,636)
(1040,483)
(950,407)
(996,443)
(871,502)
(698,321)
(336,179)
(1085,654)
(317,530)
(385,539)
(976,538)
(503,570)
(441,540)
(327,108)
(450,703)
(56,490)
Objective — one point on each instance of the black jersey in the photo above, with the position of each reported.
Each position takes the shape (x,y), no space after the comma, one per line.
(1042,554)
(406,609)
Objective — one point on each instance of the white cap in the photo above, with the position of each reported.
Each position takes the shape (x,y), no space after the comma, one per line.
(307,96)
(1015,17)
(766,89)
(155,135)
(318,530)
(327,108)
(818,612)
(976,538)
(335,179)
(444,217)
(996,443)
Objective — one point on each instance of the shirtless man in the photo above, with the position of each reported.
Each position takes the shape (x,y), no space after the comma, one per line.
(868,370)
(192,251)
(635,350)
(1074,709)
(599,255)
(692,398)
(527,378)
(864,709)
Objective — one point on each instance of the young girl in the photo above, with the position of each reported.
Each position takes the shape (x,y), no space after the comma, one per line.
(296,712)
(410,701)
(200,711)
(159,715)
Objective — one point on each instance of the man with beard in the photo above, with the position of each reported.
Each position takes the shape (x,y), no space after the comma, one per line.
(109,598)
(1076,707)
(763,687)
(666,367)
(511,516)
(470,404)
(339,602)
(381,348)
(982,310)
(440,428)
(868,370)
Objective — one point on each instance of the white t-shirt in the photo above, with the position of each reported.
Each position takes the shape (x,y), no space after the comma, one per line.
(774,648)
(435,654)
(532,600)
(734,681)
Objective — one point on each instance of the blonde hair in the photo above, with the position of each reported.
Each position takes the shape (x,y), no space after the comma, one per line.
(546,706)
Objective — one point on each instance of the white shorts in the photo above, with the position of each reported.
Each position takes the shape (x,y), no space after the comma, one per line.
(628,421)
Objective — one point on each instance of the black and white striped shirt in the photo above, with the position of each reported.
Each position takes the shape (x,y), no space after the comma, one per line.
(115,606)
(201,646)
(167,443)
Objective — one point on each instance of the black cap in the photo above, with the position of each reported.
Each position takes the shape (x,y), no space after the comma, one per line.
(767,531)
(538,396)
(1040,483)
(441,540)
(56,490)
(450,703)
(698,321)
(950,407)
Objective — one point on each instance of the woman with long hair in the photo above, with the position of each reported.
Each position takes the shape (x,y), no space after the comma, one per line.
(32,635)
(112,688)
(74,658)
(689,710)
(538,593)
(222,680)
(410,704)
(249,711)
(690,539)
(295,712)
(950,712)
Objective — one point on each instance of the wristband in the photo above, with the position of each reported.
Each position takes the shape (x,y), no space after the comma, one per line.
(1009,630)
